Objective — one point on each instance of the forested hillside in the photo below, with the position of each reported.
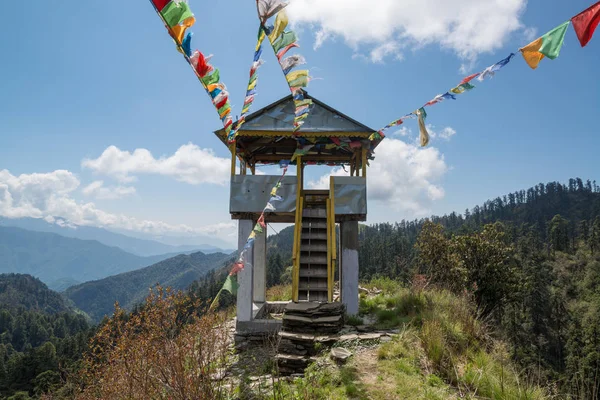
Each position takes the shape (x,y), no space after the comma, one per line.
(97,298)
(531,262)
(56,259)
(40,338)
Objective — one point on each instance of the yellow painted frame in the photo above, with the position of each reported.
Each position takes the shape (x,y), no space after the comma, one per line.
(297,232)
(332,244)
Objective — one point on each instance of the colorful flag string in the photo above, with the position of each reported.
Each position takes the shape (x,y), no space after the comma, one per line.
(548,45)
(251,89)
(282,41)
(177,18)
(244,258)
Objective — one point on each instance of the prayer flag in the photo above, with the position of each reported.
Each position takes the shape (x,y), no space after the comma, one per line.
(548,45)
(187,44)
(281,22)
(469,78)
(585,23)
(231,284)
(423,134)
(179,30)
(268,8)
(176,12)
(160,4)
(261,221)
(286,39)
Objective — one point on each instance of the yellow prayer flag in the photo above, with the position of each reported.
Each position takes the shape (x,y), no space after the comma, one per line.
(281,22)
(292,76)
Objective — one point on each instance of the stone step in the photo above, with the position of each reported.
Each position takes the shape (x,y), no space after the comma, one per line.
(314,213)
(313,286)
(314,235)
(318,247)
(313,259)
(314,224)
(313,273)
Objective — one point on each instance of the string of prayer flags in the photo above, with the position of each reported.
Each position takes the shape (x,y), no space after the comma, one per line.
(282,41)
(177,18)
(585,23)
(548,45)
(251,88)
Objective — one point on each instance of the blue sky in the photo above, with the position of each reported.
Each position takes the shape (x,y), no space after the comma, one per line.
(79,77)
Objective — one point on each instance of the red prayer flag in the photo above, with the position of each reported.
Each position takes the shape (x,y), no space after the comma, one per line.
(237,267)
(160,4)
(469,78)
(261,221)
(585,23)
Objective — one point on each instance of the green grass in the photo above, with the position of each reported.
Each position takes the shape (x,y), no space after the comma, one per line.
(442,352)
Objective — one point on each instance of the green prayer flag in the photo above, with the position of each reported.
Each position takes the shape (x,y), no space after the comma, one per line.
(174,13)
(224,108)
(284,40)
(231,284)
(258,228)
(553,41)
(213,78)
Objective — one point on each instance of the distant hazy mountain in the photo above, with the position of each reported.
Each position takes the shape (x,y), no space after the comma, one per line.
(58,260)
(98,298)
(129,243)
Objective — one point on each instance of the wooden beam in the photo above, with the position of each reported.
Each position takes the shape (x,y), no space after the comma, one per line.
(277,157)
(364,163)
(232,148)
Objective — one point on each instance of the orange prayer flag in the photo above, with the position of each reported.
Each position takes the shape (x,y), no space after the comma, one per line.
(531,53)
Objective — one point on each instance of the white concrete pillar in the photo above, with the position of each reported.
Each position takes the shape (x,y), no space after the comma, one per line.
(245,276)
(349,265)
(260,268)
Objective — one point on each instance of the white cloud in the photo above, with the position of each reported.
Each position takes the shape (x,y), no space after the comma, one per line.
(98,190)
(403,131)
(190,164)
(402,176)
(49,196)
(466,27)
(446,133)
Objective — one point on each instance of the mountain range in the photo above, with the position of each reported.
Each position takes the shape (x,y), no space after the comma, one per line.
(138,244)
(61,261)
(97,298)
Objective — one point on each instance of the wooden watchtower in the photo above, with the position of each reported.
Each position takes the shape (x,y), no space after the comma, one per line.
(329,138)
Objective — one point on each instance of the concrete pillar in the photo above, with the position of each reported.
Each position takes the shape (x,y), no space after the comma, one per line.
(244,277)
(349,265)
(260,268)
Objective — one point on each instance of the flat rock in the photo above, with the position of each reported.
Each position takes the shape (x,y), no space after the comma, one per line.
(303,337)
(340,354)
(347,338)
(369,336)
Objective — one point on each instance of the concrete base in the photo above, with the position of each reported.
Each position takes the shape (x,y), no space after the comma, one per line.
(245,276)
(260,269)
(266,326)
(349,265)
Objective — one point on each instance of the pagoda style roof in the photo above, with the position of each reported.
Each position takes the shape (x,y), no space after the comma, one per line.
(267,135)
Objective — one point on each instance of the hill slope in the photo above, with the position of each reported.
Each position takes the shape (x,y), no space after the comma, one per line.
(24,291)
(137,246)
(53,258)
(97,298)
